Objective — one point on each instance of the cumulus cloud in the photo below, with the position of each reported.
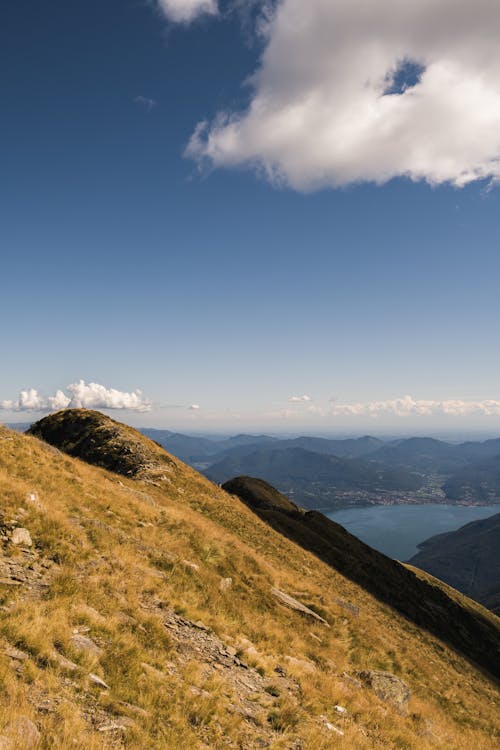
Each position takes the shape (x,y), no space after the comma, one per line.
(407,406)
(352,90)
(194,407)
(81,395)
(185,11)
(300,399)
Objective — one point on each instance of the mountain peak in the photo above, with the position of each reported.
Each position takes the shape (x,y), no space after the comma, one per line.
(100,440)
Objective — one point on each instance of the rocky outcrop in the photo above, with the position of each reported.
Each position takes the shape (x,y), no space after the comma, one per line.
(387,687)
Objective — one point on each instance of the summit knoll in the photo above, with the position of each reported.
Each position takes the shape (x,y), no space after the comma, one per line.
(144,607)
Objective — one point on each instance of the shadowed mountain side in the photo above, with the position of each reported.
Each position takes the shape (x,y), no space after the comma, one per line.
(465,626)
(467,559)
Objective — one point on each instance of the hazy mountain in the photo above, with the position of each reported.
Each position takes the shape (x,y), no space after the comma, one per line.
(425,455)
(194,449)
(478,482)
(315,478)
(468,559)
(349,448)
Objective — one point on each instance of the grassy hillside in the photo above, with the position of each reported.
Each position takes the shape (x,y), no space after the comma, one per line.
(127,582)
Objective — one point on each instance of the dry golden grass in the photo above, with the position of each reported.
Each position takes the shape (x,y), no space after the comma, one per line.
(117,543)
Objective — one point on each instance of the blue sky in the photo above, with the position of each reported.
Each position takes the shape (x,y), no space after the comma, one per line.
(272,286)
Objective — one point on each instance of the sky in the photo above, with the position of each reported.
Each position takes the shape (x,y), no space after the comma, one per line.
(252,215)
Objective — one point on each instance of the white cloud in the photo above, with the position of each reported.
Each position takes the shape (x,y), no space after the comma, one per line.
(407,406)
(321,115)
(299,399)
(194,407)
(146,102)
(94,396)
(185,11)
(81,395)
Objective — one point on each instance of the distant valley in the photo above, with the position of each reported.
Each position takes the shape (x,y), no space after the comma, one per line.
(335,473)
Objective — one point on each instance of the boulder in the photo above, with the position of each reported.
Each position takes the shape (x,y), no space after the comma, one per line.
(386,686)
(21,537)
(82,643)
(20,732)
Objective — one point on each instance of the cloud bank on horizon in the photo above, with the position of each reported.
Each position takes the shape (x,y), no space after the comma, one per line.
(82,395)
(407,406)
(351,91)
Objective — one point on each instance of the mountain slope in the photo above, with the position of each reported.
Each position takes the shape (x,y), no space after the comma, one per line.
(127,581)
(468,559)
(390,581)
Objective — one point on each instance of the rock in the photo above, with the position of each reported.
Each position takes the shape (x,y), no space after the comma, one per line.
(304,664)
(21,732)
(201,626)
(96,680)
(62,662)
(387,687)
(113,727)
(21,537)
(353,608)
(82,643)
(330,727)
(289,601)
(191,565)
(351,680)
(33,499)
(15,654)
(225,584)
(340,710)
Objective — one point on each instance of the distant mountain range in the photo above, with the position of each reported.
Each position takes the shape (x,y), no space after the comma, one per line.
(467,559)
(364,470)
(315,478)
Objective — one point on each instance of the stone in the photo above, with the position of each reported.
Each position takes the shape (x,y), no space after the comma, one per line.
(304,664)
(330,727)
(340,710)
(22,732)
(387,687)
(33,499)
(289,601)
(82,643)
(191,565)
(96,680)
(225,584)
(15,653)
(113,727)
(62,662)
(21,537)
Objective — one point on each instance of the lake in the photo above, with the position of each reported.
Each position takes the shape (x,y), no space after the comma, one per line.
(396,530)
